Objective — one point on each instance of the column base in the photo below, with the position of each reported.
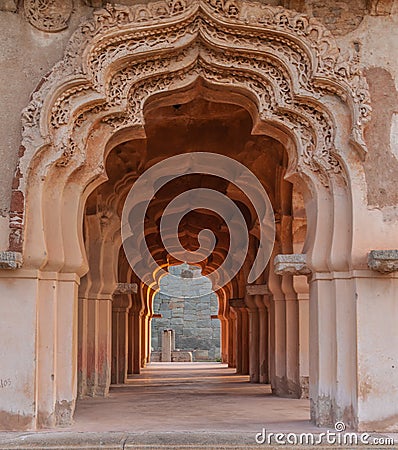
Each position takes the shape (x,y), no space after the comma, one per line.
(16,422)
(325,413)
(64,413)
(97,391)
(305,387)
(285,388)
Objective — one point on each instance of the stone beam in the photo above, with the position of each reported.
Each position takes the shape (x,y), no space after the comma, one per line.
(293,264)
(126,288)
(257,289)
(383,261)
(10,260)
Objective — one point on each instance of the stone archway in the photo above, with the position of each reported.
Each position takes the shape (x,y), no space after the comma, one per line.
(282,67)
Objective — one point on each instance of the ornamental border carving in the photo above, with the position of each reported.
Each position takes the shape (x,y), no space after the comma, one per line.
(50,15)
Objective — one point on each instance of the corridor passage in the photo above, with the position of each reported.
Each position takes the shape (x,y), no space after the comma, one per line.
(194,397)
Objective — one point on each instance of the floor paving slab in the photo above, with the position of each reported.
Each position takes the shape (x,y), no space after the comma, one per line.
(179,406)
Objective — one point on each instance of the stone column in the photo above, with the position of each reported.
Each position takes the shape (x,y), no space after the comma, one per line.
(288,266)
(239,341)
(376,300)
(242,335)
(39,353)
(167,338)
(82,346)
(56,341)
(95,344)
(95,306)
(223,313)
(224,339)
(135,333)
(145,325)
(232,338)
(277,337)
(66,356)
(130,340)
(257,341)
(292,347)
(98,345)
(302,288)
(119,339)
(120,311)
(262,303)
(245,341)
(323,353)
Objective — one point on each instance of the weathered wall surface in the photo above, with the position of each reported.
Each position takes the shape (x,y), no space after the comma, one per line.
(186,307)
(376,38)
(26,55)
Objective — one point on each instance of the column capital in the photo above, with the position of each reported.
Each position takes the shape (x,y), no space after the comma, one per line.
(10,260)
(257,289)
(237,303)
(293,264)
(126,288)
(121,303)
(384,261)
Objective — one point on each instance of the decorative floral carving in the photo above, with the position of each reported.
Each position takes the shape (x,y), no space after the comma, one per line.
(381,7)
(48,15)
(107,51)
(31,114)
(67,148)
(61,108)
(240,55)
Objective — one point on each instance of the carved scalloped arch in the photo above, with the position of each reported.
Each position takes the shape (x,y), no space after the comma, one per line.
(123,56)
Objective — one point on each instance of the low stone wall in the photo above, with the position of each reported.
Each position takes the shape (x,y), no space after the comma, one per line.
(176,356)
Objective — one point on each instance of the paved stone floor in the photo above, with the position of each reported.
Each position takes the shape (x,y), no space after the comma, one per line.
(191,397)
(176,405)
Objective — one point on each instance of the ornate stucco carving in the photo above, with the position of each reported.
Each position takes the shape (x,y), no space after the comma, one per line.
(48,15)
(380,7)
(284,61)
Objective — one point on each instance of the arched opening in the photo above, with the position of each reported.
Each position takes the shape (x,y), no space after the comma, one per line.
(185,325)
(264,326)
(265,86)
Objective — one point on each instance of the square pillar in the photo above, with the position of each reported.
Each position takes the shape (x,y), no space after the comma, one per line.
(39,356)
(377,350)
(18,350)
(95,344)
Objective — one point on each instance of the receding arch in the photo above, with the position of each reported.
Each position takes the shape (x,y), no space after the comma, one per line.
(281,66)
(284,61)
